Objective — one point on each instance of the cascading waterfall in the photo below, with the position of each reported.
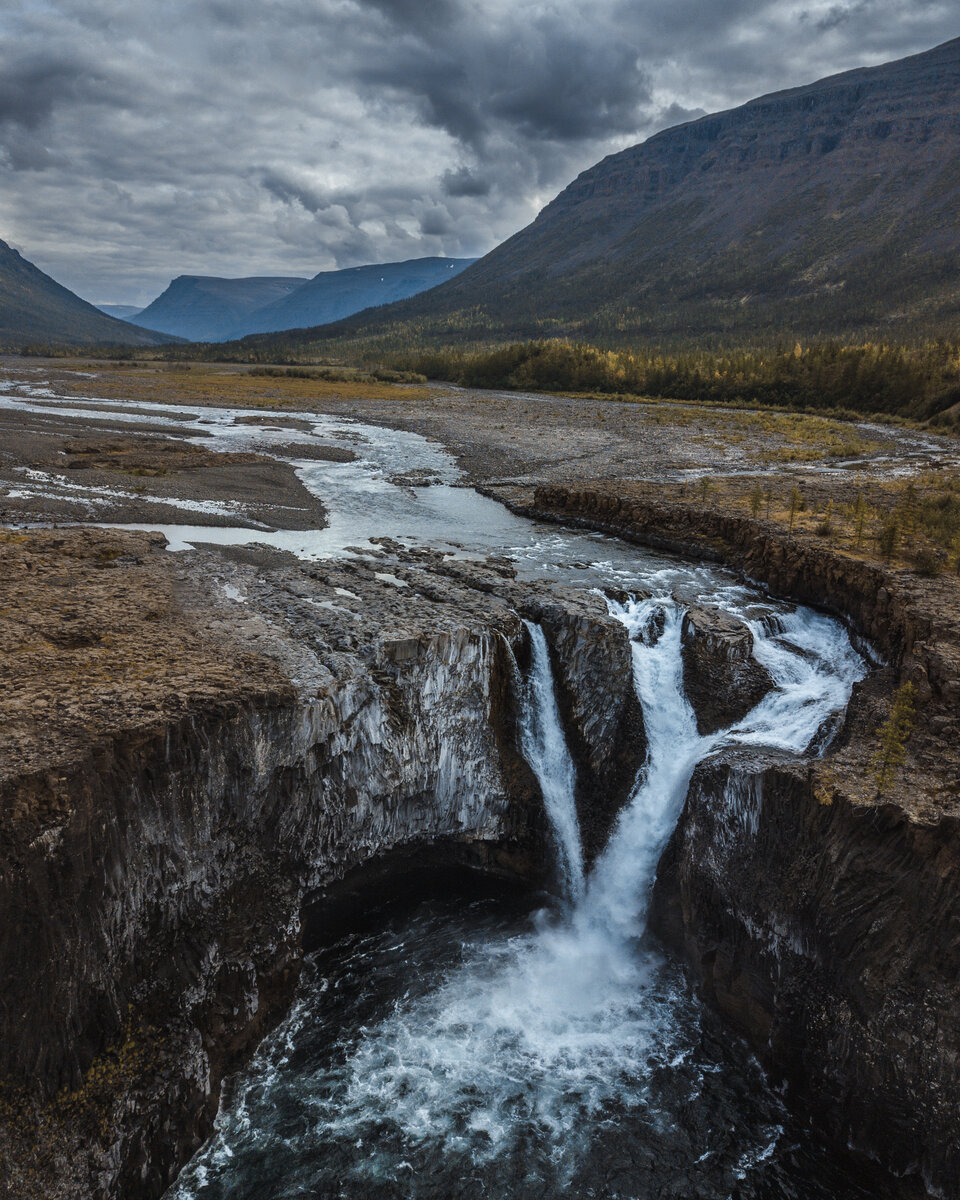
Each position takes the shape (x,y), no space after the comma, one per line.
(545,749)
(510,1069)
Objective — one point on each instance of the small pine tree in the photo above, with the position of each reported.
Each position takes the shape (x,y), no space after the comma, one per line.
(705,486)
(888,537)
(756,500)
(796,504)
(893,734)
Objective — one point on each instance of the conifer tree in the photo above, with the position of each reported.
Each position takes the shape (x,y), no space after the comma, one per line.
(894,732)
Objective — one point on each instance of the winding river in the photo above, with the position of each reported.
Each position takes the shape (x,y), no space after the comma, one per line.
(480,1046)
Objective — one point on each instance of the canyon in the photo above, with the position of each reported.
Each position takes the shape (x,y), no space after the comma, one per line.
(210,752)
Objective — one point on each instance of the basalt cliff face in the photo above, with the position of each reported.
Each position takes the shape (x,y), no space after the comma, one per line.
(823,919)
(156,866)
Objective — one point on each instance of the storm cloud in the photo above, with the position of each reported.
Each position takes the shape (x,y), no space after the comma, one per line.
(234,137)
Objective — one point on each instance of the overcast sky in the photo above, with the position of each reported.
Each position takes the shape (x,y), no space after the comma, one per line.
(142,139)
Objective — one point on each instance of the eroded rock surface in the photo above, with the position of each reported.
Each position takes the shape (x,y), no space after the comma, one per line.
(193,745)
(722,679)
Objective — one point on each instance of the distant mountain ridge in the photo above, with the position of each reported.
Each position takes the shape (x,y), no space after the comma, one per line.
(125,312)
(36,310)
(212,309)
(207,308)
(823,210)
(332,295)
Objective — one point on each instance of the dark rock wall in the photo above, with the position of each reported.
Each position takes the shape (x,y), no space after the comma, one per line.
(822,920)
(828,933)
(153,936)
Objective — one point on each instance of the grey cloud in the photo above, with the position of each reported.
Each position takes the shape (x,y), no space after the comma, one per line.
(835,16)
(464,182)
(141,141)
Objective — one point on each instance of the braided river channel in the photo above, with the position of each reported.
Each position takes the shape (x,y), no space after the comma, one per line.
(475,1044)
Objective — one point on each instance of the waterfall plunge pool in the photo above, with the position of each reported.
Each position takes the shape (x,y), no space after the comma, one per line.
(475,1047)
(467,1046)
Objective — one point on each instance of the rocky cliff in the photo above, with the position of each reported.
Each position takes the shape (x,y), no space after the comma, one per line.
(282,728)
(821,917)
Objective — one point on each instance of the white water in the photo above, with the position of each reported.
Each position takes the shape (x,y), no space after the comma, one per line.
(545,749)
(563,1021)
(558,1029)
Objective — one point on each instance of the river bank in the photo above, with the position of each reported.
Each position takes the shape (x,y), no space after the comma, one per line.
(131,654)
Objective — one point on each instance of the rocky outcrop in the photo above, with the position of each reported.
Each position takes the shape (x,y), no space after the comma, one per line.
(151,885)
(820,917)
(722,679)
(828,933)
(601,714)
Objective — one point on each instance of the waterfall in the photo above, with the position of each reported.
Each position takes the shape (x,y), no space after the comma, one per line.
(545,749)
(622,877)
(813,667)
(535,1044)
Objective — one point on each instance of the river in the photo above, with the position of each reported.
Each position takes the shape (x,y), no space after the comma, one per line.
(481,1046)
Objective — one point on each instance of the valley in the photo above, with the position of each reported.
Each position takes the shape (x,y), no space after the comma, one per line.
(481,719)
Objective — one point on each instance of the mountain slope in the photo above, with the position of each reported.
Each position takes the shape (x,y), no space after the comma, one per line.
(204,308)
(831,208)
(125,312)
(332,295)
(36,309)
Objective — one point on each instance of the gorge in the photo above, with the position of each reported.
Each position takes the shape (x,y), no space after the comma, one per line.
(427,685)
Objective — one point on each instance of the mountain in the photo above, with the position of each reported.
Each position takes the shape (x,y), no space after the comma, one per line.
(124,312)
(829,209)
(204,308)
(35,309)
(332,295)
(208,309)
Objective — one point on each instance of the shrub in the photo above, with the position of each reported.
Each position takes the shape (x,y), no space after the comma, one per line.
(927,562)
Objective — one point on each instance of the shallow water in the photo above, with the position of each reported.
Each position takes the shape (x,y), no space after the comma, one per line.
(471,1048)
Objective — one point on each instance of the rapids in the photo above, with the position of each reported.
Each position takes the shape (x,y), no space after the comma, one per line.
(480,1047)
(473,1050)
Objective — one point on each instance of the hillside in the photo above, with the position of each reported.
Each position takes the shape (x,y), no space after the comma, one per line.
(830,209)
(205,308)
(125,312)
(211,309)
(35,309)
(332,295)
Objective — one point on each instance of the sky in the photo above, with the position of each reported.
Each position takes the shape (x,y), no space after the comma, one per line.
(143,139)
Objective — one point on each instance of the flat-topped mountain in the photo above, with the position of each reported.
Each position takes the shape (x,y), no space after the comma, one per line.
(35,309)
(210,309)
(332,295)
(206,308)
(826,209)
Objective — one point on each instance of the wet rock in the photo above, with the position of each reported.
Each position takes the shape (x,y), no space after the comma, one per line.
(598,702)
(723,680)
(816,926)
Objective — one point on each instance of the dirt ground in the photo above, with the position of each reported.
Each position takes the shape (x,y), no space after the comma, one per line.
(498,438)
